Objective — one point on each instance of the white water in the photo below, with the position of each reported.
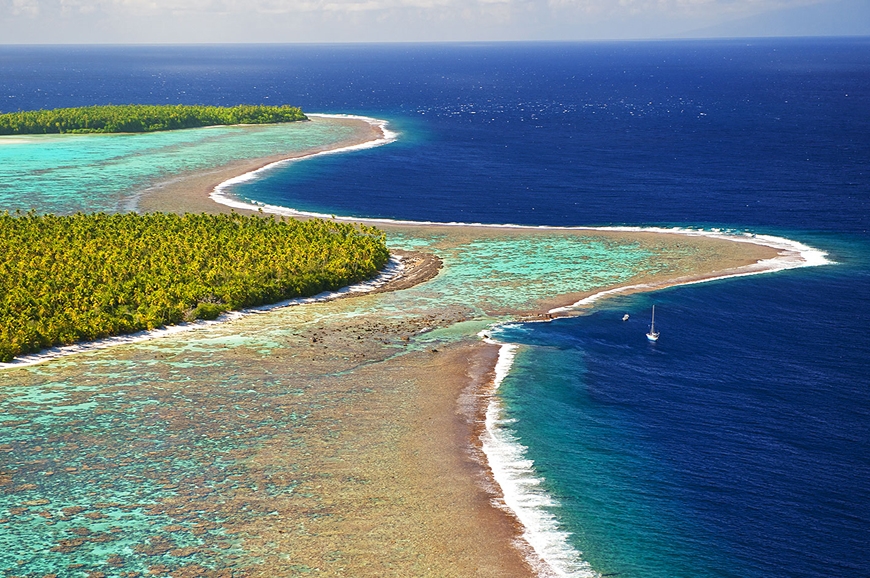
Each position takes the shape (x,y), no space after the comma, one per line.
(219,194)
(511,468)
(521,486)
(793,254)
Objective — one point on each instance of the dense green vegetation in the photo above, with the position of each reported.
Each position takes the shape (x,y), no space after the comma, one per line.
(86,276)
(140,118)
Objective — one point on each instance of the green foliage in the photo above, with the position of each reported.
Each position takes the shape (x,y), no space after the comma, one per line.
(207,311)
(141,118)
(87,276)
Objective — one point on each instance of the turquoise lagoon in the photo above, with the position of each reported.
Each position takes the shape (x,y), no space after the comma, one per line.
(69,173)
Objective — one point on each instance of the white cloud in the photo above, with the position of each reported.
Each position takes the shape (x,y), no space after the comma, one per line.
(675,8)
(244,6)
(561,8)
(121,21)
(25,8)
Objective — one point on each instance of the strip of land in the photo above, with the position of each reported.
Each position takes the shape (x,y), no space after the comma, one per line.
(380,470)
(189,192)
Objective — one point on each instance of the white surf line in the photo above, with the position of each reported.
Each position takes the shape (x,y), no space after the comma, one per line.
(515,473)
(220,196)
(394,269)
(793,254)
(521,485)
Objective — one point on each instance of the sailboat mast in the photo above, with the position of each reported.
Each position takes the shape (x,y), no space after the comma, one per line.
(652,335)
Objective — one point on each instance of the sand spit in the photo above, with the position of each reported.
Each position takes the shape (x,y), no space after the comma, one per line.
(189,192)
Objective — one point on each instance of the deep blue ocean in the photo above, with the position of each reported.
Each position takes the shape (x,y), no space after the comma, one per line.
(739,444)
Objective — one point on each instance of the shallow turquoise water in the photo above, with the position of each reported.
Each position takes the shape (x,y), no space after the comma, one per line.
(68,173)
(86,465)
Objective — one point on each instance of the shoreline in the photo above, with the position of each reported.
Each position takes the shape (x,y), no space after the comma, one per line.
(482,370)
(208,191)
(189,192)
(546,548)
(791,254)
(398,274)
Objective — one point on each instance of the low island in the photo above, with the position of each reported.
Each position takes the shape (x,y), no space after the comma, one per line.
(141,118)
(86,276)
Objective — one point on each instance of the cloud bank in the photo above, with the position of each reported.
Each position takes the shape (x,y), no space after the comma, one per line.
(180,21)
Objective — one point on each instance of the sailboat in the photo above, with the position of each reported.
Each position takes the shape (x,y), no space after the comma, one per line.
(653,335)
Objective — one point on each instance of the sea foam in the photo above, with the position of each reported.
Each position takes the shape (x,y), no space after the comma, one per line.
(521,486)
(512,470)
(220,195)
(793,254)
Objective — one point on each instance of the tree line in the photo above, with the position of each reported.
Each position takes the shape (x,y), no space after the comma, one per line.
(141,118)
(82,277)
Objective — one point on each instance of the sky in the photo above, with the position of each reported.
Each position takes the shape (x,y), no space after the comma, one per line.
(289,21)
